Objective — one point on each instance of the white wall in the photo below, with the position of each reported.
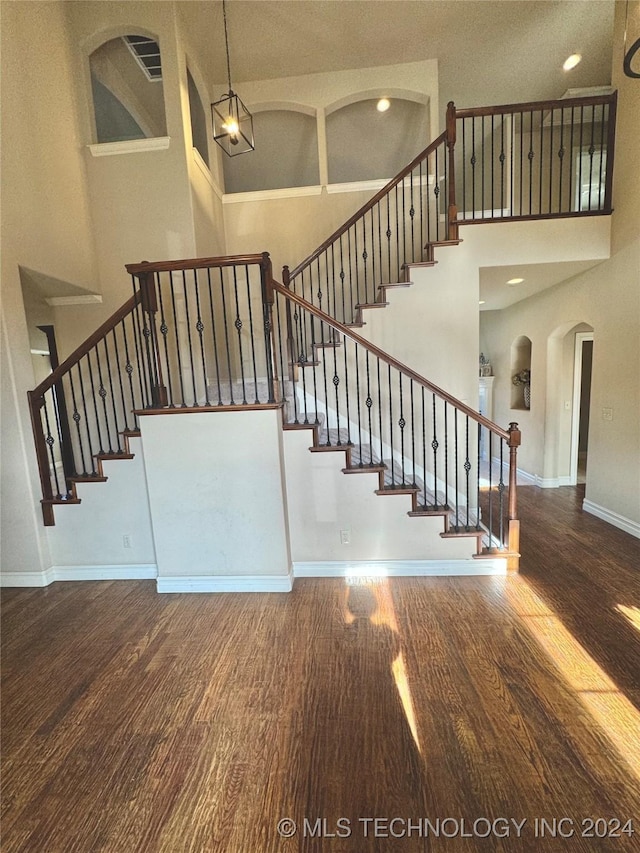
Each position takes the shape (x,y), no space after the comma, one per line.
(218,505)
(322,501)
(46,226)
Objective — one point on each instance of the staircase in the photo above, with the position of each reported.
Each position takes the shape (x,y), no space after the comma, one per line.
(221,334)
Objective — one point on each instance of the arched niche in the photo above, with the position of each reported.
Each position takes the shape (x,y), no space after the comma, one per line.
(365,144)
(127,90)
(286,153)
(520,369)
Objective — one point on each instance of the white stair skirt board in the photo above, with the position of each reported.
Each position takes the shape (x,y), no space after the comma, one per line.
(226,583)
(620,521)
(401,568)
(79,573)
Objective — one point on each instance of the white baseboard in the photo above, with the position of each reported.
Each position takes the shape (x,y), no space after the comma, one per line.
(400,568)
(226,583)
(553,482)
(620,521)
(78,573)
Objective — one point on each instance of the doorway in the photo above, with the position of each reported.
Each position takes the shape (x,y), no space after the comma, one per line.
(583,365)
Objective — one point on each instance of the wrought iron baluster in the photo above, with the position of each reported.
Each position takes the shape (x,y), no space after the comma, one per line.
(424,446)
(473,166)
(491,535)
(401,423)
(214,336)
(592,151)
(369,404)
(113,396)
(142,375)
(493,206)
(456,466)
(580,159)
(570,169)
(252,334)
(561,153)
(393,467)
(541,169)
(76,417)
(119,371)
(336,385)
(434,447)
(95,404)
(446,458)
(467,469)
(483,162)
(602,159)
(501,493)
(478,451)
(551,159)
(177,337)
(50,441)
(200,330)
(86,420)
(190,342)
(129,368)
(346,388)
(226,334)
(355,354)
(238,325)
(413,435)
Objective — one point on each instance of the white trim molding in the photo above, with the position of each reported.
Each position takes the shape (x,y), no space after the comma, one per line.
(79,573)
(226,583)
(206,172)
(88,299)
(614,518)
(552,482)
(401,568)
(129,146)
(268,195)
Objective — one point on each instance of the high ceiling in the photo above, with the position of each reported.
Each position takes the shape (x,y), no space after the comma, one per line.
(514,48)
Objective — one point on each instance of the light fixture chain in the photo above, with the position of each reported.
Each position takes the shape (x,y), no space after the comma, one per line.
(226,41)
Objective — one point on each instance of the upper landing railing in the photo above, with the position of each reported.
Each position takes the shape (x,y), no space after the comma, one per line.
(538,160)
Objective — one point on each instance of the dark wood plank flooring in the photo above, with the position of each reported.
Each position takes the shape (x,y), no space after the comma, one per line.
(134,721)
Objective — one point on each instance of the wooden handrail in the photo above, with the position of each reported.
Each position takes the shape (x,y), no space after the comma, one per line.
(387,359)
(371,203)
(536,106)
(87,345)
(195,263)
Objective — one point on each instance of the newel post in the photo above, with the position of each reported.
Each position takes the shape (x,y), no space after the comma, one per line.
(35,405)
(452,210)
(149,299)
(513,560)
(266,278)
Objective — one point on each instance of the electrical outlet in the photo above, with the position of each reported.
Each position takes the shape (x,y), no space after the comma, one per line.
(126,540)
(345,537)
(607,414)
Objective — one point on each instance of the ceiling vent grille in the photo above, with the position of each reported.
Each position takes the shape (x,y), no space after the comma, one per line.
(146,52)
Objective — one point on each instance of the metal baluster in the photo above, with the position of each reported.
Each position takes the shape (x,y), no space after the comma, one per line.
(521,156)
(580,159)
(129,371)
(436,193)
(95,405)
(467,468)
(200,330)
(283,374)
(113,396)
(602,157)
(336,385)
(502,158)
(302,359)
(379,411)
(355,352)
(423,237)
(177,336)
(501,493)
(346,388)
(493,207)
(592,151)
(413,437)
(401,423)
(253,340)
(86,422)
(393,470)
(369,403)
(446,458)
(464,169)
(561,153)
(482,159)
(551,159)
(321,355)
(333,283)
(342,277)
(50,441)
(473,166)
(388,235)
(541,170)
(531,155)
(214,337)
(478,428)
(188,324)
(76,419)
(570,169)
(164,331)
(365,256)
(238,324)
(434,447)
(490,488)
(226,335)
(102,392)
(119,365)
(373,257)
(424,444)
(137,338)
(456,466)
(349,258)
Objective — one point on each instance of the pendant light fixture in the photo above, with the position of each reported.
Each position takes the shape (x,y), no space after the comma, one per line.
(232,121)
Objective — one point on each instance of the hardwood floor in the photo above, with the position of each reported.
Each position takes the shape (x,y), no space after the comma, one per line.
(134,721)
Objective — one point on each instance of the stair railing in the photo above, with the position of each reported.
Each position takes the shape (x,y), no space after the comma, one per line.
(537,160)
(391,230)
(81,412)
(208,337)
(456,462)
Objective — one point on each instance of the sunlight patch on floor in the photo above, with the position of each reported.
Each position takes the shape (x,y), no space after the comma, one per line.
(615,715)
(632,614)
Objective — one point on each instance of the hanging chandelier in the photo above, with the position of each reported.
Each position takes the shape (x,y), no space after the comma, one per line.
(232,121)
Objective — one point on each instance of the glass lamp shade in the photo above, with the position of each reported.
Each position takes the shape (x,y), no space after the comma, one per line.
(232,125)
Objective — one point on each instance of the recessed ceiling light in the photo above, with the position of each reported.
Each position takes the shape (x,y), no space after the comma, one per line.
(515,281)
(571,61)
(482,301)
(383,105)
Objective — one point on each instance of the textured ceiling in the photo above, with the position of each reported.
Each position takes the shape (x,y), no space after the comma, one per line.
(513,49)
